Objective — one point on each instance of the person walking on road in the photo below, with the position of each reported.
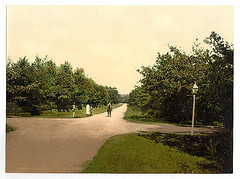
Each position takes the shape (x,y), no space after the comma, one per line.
(109,110)
(91,110)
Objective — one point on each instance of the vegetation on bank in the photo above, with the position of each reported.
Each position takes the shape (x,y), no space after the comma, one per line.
(9,128)
(216,147)
(134,114)
(135,154)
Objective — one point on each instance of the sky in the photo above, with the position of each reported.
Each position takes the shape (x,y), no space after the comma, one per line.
(111,42)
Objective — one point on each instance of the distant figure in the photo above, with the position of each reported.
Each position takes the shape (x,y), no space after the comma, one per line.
(88,109)
(109,110)
(91,111)
(73,110)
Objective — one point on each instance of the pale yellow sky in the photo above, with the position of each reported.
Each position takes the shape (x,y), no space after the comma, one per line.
(111,42)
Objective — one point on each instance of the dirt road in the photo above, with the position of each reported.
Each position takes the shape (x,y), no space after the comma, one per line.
(43,145)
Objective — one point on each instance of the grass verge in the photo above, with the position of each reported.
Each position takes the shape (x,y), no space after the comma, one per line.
(217,147)
(134,154)
(135,115)
(78,113)
(9,128)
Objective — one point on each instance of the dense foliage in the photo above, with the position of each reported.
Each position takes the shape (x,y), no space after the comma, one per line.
(42,85)
(166,87)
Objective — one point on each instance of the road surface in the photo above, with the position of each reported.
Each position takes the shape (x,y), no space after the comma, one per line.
(44,145)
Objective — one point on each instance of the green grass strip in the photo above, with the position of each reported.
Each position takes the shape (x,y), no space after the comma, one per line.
(133,154)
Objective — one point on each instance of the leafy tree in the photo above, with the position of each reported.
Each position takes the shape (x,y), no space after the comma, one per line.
(21,87)
(218,99)
(102,95)
(166,86)
(65,86)
(113,95)
(79,97)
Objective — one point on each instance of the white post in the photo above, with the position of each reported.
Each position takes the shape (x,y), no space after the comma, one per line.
(193,114)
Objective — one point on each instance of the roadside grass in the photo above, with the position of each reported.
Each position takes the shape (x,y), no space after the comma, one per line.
(55,114)
(135,115)
(217,147)
(131,153)
(9,128)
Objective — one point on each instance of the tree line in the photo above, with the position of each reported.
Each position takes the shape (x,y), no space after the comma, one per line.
(165,90)
(42,85)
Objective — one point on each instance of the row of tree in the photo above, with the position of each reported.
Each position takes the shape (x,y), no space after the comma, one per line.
(42,85)
(166,87)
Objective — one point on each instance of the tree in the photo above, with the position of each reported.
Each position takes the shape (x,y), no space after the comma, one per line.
(113,95)
(42,85)
(21,87)
(64,88)
(219,84)
(166,86)
(79,97)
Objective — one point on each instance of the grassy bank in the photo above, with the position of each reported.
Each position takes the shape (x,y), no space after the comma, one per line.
(217,147)
(135,115)
(55,114)
(134,154)
(9,128)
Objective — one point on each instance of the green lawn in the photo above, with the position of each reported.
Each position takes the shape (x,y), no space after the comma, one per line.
(134,154)
(78,113)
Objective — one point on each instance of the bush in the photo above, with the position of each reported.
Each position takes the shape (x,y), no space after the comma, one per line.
(12,107)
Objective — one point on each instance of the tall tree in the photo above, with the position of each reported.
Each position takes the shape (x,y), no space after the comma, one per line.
(65,86)
(166,86)
(219,84)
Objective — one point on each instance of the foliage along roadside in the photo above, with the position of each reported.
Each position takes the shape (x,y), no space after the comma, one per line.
(134,114)
(55,114)
(42,85)
(166,87)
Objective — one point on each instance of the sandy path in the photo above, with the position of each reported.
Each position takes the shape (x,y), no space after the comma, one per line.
(43,145)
